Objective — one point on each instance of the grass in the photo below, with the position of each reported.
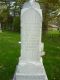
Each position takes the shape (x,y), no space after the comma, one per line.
(52,57)
(10,49)
(9,53)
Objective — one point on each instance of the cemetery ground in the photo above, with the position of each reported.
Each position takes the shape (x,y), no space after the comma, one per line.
(10,49)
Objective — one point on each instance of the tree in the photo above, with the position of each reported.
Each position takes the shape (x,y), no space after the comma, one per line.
(0,23)
(4,16)
(49,6)
(16,24)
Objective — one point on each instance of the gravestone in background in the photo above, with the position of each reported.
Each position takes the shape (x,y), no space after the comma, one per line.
(30,65)
(0,28)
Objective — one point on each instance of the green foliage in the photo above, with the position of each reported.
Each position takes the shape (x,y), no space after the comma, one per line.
(48,7)
(4,18)
(0,18)
(21,1)
(4,14)
(16,23)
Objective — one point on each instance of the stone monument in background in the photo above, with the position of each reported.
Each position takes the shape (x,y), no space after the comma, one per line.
(30,65)
(0,28)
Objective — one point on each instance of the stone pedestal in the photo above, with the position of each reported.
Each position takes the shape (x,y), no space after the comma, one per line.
(30,65)
(30,71)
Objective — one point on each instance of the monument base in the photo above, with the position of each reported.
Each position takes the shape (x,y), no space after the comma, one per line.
(30,71)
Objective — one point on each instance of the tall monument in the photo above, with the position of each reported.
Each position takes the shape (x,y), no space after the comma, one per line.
(30,65)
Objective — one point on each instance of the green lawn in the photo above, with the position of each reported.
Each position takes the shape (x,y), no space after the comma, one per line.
(9,54)
(52,57)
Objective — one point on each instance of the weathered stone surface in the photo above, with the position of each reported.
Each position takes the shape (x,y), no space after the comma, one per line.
(30,65)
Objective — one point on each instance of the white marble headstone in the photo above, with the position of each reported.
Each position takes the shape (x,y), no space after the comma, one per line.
(30,65)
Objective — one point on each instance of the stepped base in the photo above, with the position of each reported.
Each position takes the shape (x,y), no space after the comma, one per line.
(30,77)
(30,71)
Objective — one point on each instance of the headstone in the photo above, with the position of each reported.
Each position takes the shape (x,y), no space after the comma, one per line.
(30,65)
(0,28)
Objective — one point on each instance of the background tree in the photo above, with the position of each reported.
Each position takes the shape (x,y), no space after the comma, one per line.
(48,7)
